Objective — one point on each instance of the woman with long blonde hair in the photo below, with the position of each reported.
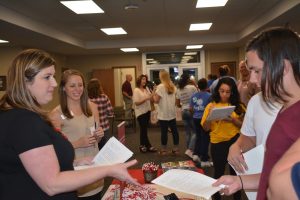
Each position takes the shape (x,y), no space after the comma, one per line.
(165,98)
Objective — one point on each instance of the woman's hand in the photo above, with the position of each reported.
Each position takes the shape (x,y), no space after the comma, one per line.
(232,184)
(98,134)
(119,171)
(85,141)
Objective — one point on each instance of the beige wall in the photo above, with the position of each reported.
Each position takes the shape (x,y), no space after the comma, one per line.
(87,63)
(223,55)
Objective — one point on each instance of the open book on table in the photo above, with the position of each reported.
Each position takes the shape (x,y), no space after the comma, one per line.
(189,182)
(220,113)
(113,152)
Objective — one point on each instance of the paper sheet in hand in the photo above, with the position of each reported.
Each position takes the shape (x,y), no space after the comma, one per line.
(254,160)
(187,181)
(113,152)
(220,113)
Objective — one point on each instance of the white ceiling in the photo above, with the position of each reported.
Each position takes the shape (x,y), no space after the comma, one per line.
(156,26)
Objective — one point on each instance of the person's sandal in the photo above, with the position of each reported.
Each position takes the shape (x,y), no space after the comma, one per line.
(143,149)
(152,149)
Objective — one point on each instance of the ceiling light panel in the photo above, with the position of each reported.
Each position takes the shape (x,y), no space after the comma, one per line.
(4,41)
(83,7)
(114,31)
(129,49)
(200,26)
(194,46)
(210,3)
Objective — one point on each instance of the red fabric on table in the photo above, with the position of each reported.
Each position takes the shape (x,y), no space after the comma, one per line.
(138,174)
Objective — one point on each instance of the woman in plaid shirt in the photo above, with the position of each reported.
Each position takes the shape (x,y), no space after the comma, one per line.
(96,95)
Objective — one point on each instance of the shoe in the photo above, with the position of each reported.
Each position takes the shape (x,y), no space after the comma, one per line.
(189,153)
(143,149)
(207,164)
(196,158)
(151,149)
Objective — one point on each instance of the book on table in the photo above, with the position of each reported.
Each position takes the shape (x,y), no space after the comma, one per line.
(186,164)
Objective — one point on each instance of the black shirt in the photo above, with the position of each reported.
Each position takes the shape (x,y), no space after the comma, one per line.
(22,130)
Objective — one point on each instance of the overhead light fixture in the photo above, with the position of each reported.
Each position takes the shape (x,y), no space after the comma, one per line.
(129,49)
(190,53)
(114,31)
(210,3)
(194,46)
(83,7)
(131,7)
(4,41)
(200,26)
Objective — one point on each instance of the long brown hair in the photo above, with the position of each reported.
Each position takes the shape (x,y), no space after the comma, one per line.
(25,66)
(165,79)
(94,88)
(63,96)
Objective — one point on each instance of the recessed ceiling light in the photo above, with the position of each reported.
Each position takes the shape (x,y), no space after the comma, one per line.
(4,41)
(210,3)
(114,31)
(190,53)
(194,46)
(200,26)
(129,49)
(83,7)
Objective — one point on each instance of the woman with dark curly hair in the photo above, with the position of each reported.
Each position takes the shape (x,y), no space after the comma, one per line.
(223,133)
(142,108)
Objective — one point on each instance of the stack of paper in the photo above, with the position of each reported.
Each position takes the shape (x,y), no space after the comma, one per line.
(189,182)
(113,152)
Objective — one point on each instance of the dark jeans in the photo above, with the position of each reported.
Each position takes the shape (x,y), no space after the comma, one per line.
(190,137)
(164,124)
(202,141)
(219,152)
(144,122)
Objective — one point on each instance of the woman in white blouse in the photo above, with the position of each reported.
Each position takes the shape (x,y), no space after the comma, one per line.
(141,103)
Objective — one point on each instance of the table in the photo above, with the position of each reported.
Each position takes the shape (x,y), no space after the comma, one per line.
(113,192)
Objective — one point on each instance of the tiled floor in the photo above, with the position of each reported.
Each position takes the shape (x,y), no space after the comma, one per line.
(132,142)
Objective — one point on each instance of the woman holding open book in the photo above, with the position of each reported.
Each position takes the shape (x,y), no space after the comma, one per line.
(223,133)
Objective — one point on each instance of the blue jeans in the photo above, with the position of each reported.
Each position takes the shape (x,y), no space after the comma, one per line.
(164,124)
(188,123)
(202,141)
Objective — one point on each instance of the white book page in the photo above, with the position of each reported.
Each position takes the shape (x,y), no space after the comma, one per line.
(220,113)
(113,152)
(189,182)
(254,159)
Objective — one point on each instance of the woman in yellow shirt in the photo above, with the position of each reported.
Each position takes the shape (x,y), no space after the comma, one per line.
(223,133)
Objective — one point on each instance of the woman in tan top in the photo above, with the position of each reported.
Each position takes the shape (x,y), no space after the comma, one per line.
(78,119)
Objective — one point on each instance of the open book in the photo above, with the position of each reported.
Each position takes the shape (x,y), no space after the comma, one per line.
(220,113)
(113,152)
(189,182)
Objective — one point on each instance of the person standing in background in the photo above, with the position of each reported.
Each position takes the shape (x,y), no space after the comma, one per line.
(78,119)
(127,96)
(97,96)
(198,102)
(165,98)
(245,87)
(224,71)
(141,101)
(183,97)
(223,133)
